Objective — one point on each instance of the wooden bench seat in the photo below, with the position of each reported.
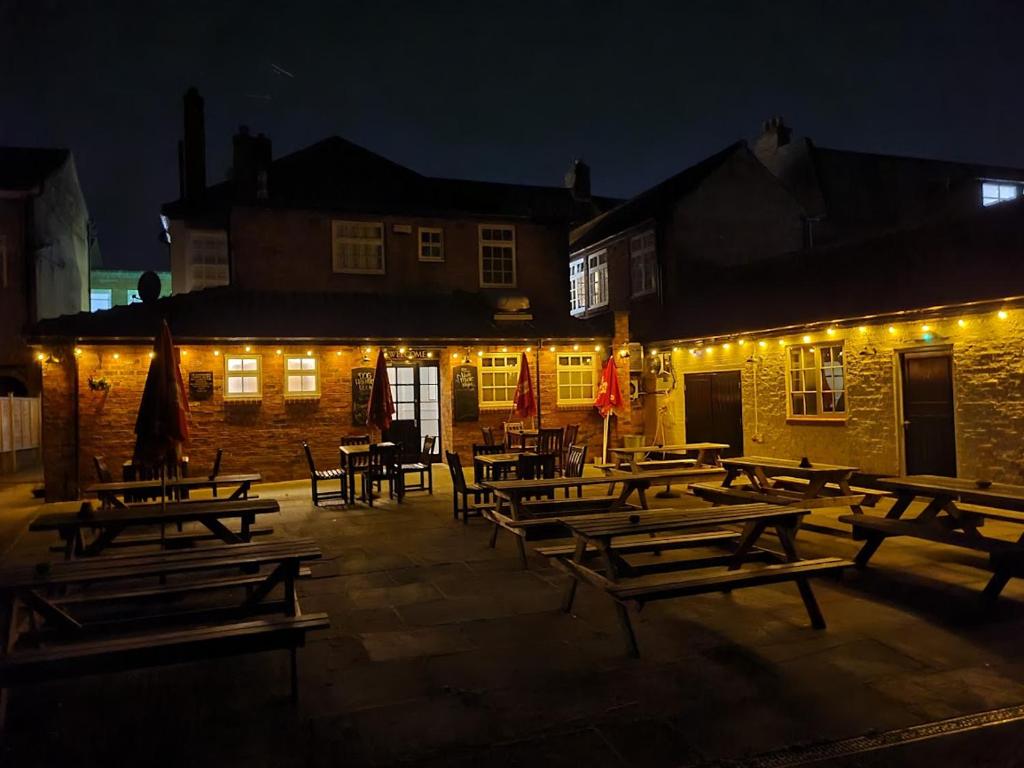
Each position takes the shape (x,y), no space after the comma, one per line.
(642,543)
(990,513)
(648,464)
(746,494)
(930,532)
(871,495)
(549,507)
(170,540)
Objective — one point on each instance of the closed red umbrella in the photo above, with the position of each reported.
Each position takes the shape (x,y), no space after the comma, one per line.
(523,402)
(161,428)
(609,397)
(381,405)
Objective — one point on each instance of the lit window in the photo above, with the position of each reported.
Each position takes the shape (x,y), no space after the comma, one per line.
(134,298)
(242,377)
(207,259)
(992,192)
(100,298)
(575,379)
(301,377)
(358,247)
(431,244)
(643,263)
(577,287)
(497,256)
(499,375)
(817,381)
(597,279)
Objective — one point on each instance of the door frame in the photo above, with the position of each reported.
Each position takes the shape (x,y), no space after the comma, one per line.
(918,350)
(418,364)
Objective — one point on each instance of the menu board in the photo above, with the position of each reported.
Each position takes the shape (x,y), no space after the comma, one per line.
(362,385)
(465,403)
(200,385)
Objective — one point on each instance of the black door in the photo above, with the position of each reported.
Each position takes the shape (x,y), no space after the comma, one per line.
(416,390)
(714,409)
(928,428)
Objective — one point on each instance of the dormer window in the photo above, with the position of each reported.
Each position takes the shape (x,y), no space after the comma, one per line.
(994,192)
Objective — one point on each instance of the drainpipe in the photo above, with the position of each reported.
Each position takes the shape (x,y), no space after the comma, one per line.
(537,369)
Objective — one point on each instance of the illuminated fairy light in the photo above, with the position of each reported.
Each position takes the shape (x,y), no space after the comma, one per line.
(863,329)
(726,345)
(184,353)
(926,328)
(40,356)
(654,353)
(597,347)
(529,349)
(78,351)
(693,350)
(831,331)
(216,353)
(807,339)
(338,353)
(152,355)
(742,342)
(762,344)
(248,348)
(1002,315)
(309,353)
(401,350)
(366,350)
(117,356)
(962,323)
(575,347)
(504,349)
(892,329)
(709,349)
(276,352)
(479,353)
(551,348)
(675,349)
(782,342)
(455,355)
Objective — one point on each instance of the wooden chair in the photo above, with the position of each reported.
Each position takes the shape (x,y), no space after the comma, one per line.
(514,438)
(424,467)
(354,440)
(550,441)
(215,470)
(569,438)
(485,450)
(461,487)
(536,466)
(382,465)
(317,475)
(488,433)
(102,470)
(576,458)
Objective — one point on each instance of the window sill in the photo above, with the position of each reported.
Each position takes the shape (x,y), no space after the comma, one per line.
(496,407)
(431,261)
(360,272)
(831,421)
(497,285)
(573,406)
(294,397)
(243,400)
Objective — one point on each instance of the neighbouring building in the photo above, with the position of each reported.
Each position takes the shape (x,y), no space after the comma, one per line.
(290,276)
(45,245)
(115,287)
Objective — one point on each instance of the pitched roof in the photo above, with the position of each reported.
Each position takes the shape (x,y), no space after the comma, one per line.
(23,169)
(336,174)
(973,257)
(229,313)
(652,202)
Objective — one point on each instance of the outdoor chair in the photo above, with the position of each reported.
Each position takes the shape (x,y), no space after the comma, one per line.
(550,441)
(354,440)
(424,467)
(569,438)
(485,450)
(382,466)
(488,433)
(102,470)
(318,475)
(576,458)
(514,437)
(461,488)
(535,467)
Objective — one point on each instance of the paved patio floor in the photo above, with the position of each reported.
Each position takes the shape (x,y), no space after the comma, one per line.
(444,652)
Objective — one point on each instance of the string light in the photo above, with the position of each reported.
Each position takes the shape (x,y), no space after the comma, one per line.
(529,349)
(926,328)
(366,350)
(184,353)
(401,350)
(309,353)
(277,352)
(430,354)
(455,355)
(597,347)
(575,347)
(654,353)
(742,342)
(863,329)
(807,339)
(1002,314)
(479,353)
(40,356)
(830,331)
(338,353)
(551,348)
(504,349)
(78,351)
(152,355)
(726,345)
(782,342)
(710,348)
(216,353)
(693,350)
(892,329)
(117,356)
(248,348)
(762,344)
(962,323)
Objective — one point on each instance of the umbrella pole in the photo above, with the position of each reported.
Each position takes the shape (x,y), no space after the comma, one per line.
(604,445)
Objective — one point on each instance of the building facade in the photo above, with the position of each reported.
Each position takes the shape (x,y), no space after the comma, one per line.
(115,287)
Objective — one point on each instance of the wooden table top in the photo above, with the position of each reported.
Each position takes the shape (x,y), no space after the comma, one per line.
(144,514)
(355,450)
(544,483)
(674,447)
(500,458)
(997,494)
(652,520)
(121,486)
(789,466)
(616,474)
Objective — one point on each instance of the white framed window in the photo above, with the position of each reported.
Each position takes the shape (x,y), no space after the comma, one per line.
(576,377)
(301,377)
(817,382)
(431,244)
(497,256)
(597,280)
(577,287)
(643,264)
(100,298)
(207,259)
(243,377)
(499,374)
(993,192)
(358,247)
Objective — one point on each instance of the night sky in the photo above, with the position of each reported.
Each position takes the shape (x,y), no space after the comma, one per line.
(498,91)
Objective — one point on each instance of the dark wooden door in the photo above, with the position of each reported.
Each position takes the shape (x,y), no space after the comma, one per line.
(714,409)
(929,434)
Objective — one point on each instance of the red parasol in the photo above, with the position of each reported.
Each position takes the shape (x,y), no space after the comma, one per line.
(523,402)
(609,396)
(381,405)
(161,427)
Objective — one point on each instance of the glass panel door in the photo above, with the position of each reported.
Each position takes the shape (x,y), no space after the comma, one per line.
(416,390)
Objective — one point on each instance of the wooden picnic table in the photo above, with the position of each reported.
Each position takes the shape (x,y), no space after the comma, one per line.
(707,453)
(112,522)
(628,583)
(351,466)
(495,466)
(955,509)
(116,493)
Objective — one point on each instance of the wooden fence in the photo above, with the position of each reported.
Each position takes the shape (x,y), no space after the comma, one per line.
(19,429)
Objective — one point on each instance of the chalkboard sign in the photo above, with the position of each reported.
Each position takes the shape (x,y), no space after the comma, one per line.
(362,384)
(465,405)
(200,385)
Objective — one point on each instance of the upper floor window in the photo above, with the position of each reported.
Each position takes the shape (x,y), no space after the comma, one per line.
(497,256)
(499,375)
(597,279)
(358,247)
(575,379)
(577,287)
(994,192)
(643,264)
(817,381)
(301,377)
(208,259)
(431,244)
(100,298)
(242,377)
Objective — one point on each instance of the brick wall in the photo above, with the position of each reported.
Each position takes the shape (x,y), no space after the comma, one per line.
(988,384)
(60,425)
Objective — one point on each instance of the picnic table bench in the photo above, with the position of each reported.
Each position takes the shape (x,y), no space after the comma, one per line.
(630,584)
(955,509)
(118,493)
(67,636)
(110,523)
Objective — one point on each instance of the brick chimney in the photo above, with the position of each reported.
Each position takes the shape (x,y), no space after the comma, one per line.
(251,164)
(577,180)
(192,150)
(775,134)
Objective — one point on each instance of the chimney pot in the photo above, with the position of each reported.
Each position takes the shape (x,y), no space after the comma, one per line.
(577,180)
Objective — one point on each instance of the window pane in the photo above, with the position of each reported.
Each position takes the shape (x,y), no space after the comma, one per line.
(249,385)
(234,364)
(234,385)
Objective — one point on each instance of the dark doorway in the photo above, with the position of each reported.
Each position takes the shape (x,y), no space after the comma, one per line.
(416,390)
(714,409)
(929,434)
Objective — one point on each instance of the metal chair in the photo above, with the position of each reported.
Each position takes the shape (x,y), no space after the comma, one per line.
(317,475)
(424,467)
(461,487)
